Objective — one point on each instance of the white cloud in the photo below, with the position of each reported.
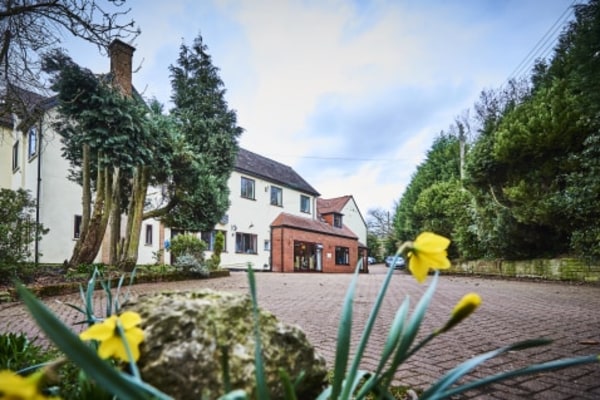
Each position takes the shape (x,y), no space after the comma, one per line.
(374,80)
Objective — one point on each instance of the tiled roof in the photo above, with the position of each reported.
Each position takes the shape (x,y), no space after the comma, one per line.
(22,102)
(253,164)
(308,224)
(335,205)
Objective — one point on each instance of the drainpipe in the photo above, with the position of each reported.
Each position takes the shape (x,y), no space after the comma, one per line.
(37,195)
(271,250)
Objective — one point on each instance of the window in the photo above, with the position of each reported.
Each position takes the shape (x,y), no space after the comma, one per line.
(209,239)
(248,188)
(32,142)
(15,156)
(342,256)
(148,234)
(77,227)
(267,245)
(276,196)
(245,243)
(337,220)
(304,203)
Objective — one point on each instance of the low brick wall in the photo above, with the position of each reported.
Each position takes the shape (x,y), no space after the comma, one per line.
(560,269)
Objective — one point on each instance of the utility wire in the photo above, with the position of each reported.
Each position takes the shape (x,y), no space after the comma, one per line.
(543,45)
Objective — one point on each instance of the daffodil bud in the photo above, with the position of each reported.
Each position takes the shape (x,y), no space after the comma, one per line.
(462,310)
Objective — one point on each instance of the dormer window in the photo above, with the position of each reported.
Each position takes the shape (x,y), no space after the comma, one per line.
(337,220)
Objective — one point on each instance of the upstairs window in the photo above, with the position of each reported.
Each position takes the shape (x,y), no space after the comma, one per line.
(15,156)
(245,243)
(304,204)
(276,196)
(32,142)
(248,188)
(337,220)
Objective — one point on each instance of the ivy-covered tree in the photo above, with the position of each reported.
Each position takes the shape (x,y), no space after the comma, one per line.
(106,139)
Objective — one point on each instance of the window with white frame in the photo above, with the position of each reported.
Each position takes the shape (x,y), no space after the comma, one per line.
(15,156)
(342,256)
(248,188)
(77,227)
(276,196)
(148,235)
(267,245)
(245,243)
(32,142)
(304,203)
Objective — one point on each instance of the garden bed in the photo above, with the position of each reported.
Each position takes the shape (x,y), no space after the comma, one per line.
(53,282)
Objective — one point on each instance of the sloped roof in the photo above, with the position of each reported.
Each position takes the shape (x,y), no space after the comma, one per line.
(335,205)
(308,224)
(22,102)
(251,163)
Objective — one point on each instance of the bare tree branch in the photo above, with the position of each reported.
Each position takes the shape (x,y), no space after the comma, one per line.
(30,28)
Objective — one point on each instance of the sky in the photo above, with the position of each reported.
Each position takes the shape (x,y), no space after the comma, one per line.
(349,93)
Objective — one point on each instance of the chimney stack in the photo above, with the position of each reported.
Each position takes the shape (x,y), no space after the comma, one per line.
(121,60)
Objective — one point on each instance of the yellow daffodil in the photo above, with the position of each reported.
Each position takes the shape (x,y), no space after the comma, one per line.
(428,251)
(462,310)
(16,387)
(107,334)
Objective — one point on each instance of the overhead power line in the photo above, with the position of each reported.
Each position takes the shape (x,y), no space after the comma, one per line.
(545,45)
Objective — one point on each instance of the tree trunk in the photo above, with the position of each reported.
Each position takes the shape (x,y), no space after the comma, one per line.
(134,219)
(86,184)
(89,243)
(115,222)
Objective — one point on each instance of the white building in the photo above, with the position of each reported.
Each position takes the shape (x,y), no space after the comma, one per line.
(313,234)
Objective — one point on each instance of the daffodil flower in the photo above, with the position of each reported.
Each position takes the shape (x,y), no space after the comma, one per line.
(16,387)
(428,251)
(107,334)
(462,310)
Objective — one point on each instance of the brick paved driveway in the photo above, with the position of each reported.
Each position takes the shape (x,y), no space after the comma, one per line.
(511,311)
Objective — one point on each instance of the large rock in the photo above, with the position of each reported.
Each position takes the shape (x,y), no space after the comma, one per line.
(188,333)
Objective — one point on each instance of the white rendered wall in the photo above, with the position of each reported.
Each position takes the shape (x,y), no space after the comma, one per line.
(60,200)
(354,221)
(255,217)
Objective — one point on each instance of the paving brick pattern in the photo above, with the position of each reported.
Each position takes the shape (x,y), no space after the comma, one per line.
(511,311)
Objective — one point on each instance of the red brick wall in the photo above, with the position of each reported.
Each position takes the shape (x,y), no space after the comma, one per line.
(282,249)
(328,218)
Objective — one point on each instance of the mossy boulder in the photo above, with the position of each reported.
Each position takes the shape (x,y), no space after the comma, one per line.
(189,335)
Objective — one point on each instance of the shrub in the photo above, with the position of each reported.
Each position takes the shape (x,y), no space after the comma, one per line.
(188,244)
(189,263)
(18,228)
(18,352)
(215,259)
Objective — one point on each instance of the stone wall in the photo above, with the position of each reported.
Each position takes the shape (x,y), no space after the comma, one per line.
(561,269)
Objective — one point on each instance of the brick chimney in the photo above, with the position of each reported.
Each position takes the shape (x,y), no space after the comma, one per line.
(121,56)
